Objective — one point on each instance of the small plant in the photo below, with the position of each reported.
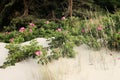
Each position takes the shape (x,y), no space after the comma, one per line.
(114,42)
(62,45)
(19,52)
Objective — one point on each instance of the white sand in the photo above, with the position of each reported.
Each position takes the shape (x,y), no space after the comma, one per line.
(88,65)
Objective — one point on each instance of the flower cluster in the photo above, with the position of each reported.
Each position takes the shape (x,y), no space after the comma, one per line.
(38,53)
(99,28)
(63,18)
(32,24)
(59,29)
(22,29)
(47,22)
(11,40)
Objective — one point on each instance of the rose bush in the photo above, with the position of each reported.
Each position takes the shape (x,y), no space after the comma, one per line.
(64,35)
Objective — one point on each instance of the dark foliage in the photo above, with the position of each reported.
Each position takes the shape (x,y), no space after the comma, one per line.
(50,9)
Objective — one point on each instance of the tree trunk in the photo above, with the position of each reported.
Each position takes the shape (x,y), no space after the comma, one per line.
(25,8)
(70,7)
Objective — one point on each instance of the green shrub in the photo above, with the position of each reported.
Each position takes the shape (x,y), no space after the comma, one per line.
(101,31)
(19,52)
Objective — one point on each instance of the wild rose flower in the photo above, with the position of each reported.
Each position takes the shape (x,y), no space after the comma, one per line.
(22,29)
(99,28)
(63,18)
(119,58)
(32,24)
(47,22)
(83,30)
(59,29)
(38,53)
(118,32)
(11,40)
(30,30)
(7,32)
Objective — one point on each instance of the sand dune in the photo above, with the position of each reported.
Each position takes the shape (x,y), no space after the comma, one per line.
(87,65)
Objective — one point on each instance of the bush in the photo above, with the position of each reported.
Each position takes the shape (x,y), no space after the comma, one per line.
(101,31)
(19,52)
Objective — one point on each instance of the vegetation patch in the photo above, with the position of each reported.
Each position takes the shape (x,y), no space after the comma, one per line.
(97,32)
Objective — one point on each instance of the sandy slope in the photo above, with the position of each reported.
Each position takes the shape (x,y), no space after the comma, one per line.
(88,65)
